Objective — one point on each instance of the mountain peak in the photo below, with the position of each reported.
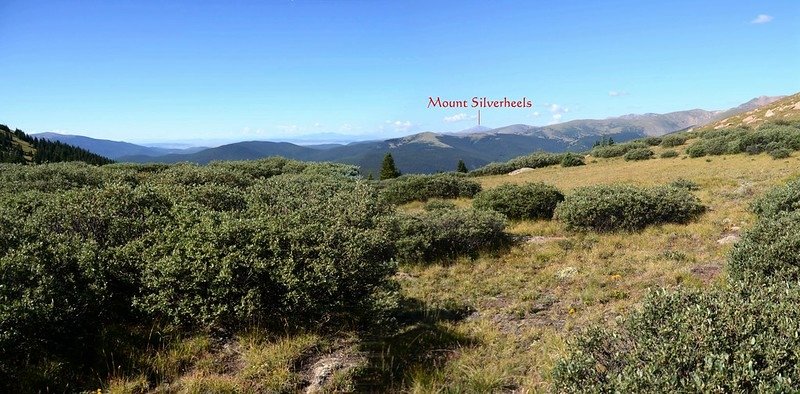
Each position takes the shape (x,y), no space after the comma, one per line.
(474,129)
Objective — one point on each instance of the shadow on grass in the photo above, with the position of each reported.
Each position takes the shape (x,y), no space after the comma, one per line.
(421,342)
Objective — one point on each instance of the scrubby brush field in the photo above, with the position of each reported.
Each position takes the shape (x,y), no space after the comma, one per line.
(282,276)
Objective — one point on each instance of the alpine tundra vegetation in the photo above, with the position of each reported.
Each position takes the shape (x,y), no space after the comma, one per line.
(280,275)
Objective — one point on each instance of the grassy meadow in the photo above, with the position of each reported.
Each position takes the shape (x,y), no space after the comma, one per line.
(528,302)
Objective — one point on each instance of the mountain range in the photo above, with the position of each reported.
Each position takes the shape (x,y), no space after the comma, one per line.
(430,152)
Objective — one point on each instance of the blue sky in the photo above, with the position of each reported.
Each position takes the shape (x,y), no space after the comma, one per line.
(282,70)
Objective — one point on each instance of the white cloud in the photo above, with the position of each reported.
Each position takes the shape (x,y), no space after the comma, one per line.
(763,18)
(401,125)
(535,113)
(459,118)
(617,93)
(557,112)
(557,109)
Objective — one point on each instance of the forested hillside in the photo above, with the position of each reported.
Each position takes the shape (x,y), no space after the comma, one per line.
(18,147)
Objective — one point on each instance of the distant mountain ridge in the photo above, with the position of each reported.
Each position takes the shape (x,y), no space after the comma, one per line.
(429,152)
(112,149)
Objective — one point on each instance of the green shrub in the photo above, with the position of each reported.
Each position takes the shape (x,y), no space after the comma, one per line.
(623,207)
(448,233)
(681,183)
(67,271)
(89,255)
(409,188)
(435,205)
(766,138)
(780,153)
(742,339)
(617,150)
(778,200)
(528,201)
(572,160)
(308,249)
(696,150)
(652,141)
(56,177)
(668,154)
(610,151)
(638,154)
(768,251)
(536,160)
(673,140)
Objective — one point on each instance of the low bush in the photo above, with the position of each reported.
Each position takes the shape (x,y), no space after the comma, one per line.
(308,249)
(435,205)
(668,154)
(617,150)
(623,207)
(56,177)
(682,183)
(610,151)
(572,160)
(778,200)
(766,138)
(769,251)
(528,201)
(673,140)
(409,188)
(638,154)
(652,141)
(536,160)
(780,153)
(447,233)
(742,339)
(195,249)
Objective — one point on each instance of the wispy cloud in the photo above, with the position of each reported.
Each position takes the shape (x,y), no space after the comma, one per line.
(617,93)
(557,109)
(459,118)
(557,112)
(401,125)
(763,18)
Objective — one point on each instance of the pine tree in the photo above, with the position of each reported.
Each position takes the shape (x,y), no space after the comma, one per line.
(388,169)
(462,167)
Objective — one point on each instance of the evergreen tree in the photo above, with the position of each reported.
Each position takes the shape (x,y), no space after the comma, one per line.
(388,169)
(462,167)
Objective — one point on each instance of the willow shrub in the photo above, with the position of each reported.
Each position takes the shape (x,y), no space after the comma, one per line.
(535,160)
(624,207)
(738,339)
(308,249)
(409,188)
(778,200)
(528,201)
(638,154)
(444,234)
